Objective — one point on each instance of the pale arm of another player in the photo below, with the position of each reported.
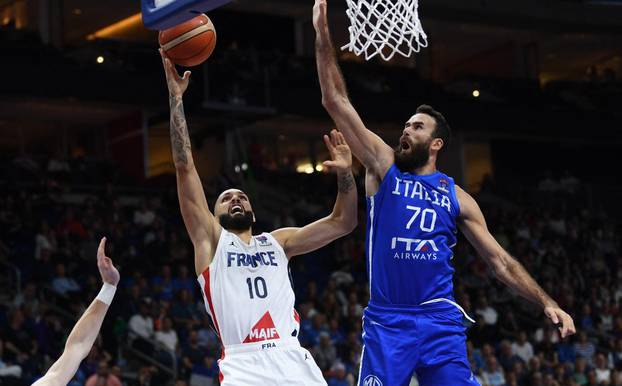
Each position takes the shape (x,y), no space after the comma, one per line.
(368,147)
(344,217)
(505,267)
(201,224)
(85,331)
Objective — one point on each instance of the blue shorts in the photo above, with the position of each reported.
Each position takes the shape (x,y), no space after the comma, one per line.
(429,341)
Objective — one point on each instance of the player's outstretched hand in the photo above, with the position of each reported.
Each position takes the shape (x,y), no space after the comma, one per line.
(320,20)
(340,154)
(107,270)
(177,85)
(561,320)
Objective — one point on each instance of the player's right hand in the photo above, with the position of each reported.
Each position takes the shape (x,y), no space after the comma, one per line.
(320,20)
(107,270)
(177,85)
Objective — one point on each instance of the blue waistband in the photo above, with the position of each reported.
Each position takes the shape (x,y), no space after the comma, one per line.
(411,309)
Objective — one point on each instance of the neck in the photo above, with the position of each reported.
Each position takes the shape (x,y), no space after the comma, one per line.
(244,235)
(428,168)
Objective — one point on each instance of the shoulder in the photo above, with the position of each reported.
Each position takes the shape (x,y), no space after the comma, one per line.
(468,205)
(282,235)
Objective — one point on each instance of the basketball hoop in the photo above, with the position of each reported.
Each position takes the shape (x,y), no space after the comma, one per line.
(385,27)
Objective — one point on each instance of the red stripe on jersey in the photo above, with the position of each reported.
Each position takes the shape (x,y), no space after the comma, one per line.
(296,316)
(208,296)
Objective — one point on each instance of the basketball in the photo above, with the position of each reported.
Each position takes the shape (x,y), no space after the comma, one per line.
(190,43)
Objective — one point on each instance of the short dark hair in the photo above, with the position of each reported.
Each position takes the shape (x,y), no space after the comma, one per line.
(442,130)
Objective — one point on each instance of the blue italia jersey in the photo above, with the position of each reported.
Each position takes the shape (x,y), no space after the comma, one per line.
(411,230)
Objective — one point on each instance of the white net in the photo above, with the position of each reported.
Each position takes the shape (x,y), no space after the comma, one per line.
(385,27)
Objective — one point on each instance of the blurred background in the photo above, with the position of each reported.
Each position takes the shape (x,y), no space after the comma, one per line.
(531,88)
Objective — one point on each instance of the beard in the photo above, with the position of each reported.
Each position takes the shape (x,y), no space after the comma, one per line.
(417,157)
(236,223)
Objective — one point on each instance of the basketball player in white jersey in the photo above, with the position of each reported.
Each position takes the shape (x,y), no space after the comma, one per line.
(85,331)
(244,278)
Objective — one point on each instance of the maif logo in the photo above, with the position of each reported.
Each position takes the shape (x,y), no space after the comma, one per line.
(372,380)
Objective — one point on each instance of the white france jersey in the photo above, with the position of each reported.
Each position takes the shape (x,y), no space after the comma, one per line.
(247,291)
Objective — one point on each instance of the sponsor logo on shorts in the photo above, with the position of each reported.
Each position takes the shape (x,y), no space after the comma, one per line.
(372,380)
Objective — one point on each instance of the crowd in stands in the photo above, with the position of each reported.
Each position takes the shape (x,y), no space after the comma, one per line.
(50,230)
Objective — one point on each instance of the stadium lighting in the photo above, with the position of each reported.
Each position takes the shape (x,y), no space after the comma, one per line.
(319,168)
(100,59)
(476,93)
(244,166)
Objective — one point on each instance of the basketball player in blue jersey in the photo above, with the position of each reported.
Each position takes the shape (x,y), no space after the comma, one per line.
(412,323)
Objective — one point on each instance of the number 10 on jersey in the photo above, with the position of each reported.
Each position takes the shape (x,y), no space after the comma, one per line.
(257,287)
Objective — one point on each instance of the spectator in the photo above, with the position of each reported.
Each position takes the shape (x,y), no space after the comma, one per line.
(493,374)
(507,357)
(141,325)
(7,369)
(325,352)
(144,216)
(337,375)
(63,285)
(488,313)
(204,372)
(603,373)
(103,377)
(167,336)
(522,348)
(584,348)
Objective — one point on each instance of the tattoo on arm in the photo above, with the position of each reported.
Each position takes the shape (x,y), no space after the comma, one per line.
(345,182)
(180,140)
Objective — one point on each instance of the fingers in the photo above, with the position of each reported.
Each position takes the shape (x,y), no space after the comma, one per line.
(568,328)
(329,144)
(328,165)
(552,315)
(339,138)
(101,253)
(186,75)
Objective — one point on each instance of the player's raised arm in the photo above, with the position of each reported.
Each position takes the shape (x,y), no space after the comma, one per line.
(202,227)
(505,267)
(368,147)
(85,331)
(343,218)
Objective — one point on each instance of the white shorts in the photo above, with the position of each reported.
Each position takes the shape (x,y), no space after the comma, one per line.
(269,363)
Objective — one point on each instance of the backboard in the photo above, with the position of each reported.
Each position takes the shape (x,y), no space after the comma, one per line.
(163,14)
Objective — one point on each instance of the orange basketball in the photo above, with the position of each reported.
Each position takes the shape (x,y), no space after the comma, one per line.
(190,43)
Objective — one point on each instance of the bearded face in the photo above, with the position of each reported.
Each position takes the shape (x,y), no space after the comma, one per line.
(239,221)
(410,156)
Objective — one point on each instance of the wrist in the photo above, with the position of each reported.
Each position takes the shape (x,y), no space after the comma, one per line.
(344,172)
(106,294)
(550,304)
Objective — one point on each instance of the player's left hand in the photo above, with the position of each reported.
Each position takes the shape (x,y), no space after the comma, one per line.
(177,85)
(340,154)
(107,270)
(561,320)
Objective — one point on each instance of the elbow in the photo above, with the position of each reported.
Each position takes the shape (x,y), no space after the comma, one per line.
(347,225)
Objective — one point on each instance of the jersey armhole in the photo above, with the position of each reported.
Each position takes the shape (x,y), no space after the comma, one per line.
(383,182)
(212,263)
(278,245)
